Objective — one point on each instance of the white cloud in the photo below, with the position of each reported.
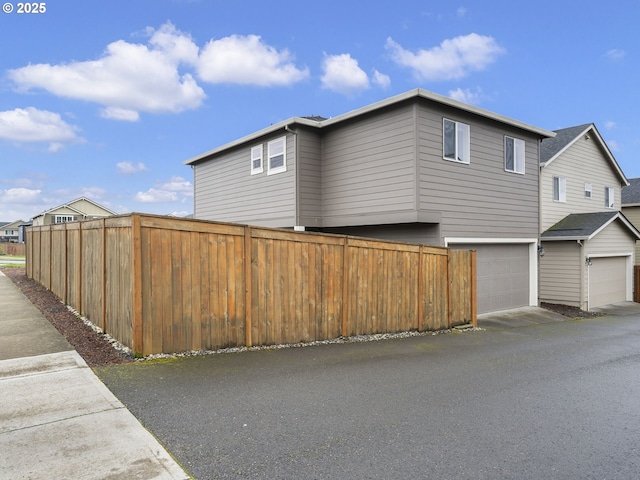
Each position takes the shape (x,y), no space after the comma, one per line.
(380,79)
(609,125)
(247,60)
(128,78)
(20,196)
(467,95)
(613,145)
(117,113)
(343,75)
(615,54)
(30,125)
(169,191)
(461,12)
(453,59)
(129,168)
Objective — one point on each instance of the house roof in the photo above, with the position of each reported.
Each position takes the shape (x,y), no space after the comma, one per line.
(631,193)
(552,148)
(7,225)
(585,226)
(69,205)
(321,122)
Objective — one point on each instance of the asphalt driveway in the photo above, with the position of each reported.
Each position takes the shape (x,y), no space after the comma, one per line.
(545,399)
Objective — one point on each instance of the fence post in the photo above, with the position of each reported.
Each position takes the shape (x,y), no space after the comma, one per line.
(248,283)
(80,276)
(137,334)
(345,286)
(474,289)
(449,283)
(103,306)
(421,290)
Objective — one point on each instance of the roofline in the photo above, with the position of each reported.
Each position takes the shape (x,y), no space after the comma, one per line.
(609,155)
(415,93)
(618,216)
(630,205)
(66,204)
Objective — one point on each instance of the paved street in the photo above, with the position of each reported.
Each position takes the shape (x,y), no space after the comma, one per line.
(557,400)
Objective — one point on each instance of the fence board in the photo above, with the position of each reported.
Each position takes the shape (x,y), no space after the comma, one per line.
(161,284)
(636,283)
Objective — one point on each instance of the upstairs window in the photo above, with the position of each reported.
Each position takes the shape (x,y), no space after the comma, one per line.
(456,139)
(587,190)
(609,201)
(256,160)
(513,155)
(64,218)
(277,156)
(559,189)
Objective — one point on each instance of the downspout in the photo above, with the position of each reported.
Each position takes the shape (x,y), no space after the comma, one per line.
(296,185)
(540,166)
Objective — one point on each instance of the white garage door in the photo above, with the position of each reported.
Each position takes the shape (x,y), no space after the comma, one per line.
(503,275)
(607,281)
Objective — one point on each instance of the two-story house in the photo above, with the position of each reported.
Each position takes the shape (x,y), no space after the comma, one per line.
(79,209)
(416,167)
(588,243)
(10,231)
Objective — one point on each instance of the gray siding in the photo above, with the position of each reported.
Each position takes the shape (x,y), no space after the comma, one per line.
(614,239)
(583,162)
(309,156)
(410,233)
(368,167)
(226,191)
(633,215)
(479,199)
(561,274)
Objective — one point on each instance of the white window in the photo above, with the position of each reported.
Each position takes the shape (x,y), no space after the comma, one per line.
(456,138)
(587,190)
(64,218)
(609,201)
(559,189)
(277,156)
(256,160)
(513,155)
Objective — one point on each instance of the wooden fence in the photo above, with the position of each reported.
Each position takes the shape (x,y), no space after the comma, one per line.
(164,285)
(636,283)
(13,249)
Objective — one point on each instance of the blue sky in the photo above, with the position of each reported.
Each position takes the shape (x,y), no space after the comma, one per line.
(107,99)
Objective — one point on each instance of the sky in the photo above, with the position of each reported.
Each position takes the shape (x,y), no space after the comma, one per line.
(107,99)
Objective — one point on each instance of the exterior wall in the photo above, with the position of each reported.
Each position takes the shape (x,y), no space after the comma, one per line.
(614,239)
(90,209)
(583,162)
(368,169)
(309,170)
(226,191)
(411,233)
(633,215)
(561,274)
(479,199)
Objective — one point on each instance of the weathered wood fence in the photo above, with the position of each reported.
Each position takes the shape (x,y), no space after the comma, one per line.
(163,285)
(14,249)
(636,283)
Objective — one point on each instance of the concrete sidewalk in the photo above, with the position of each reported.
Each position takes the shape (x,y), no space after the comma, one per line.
(57,419)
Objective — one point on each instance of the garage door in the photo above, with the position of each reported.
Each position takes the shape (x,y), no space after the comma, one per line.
(607,281)
(503,275)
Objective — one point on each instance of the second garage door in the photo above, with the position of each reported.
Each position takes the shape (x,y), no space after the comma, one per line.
(503,275)
(607,281)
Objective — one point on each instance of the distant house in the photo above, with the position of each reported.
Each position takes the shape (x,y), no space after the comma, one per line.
(417,167)
(588,243)
(79,209)
(10,231)
(631,208)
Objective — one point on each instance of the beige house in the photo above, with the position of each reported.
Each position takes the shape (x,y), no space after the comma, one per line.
(9,232)
(79,209)
(631,208)
(587,244)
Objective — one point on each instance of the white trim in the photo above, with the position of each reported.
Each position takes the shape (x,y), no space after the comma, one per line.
(629,274)
(260,169)
(283,167)
(533,257)
(516,142)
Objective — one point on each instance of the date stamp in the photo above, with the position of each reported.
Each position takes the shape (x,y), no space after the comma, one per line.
(28,8)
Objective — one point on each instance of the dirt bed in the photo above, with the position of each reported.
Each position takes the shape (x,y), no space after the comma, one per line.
(94,347)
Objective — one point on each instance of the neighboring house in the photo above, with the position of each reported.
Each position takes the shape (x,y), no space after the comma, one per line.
(10,232)
(631,208)
(417,167)
(588,243)
(79,209)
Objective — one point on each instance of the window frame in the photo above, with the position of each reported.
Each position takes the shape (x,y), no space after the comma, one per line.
(459,129)
(588,190)
(609,197)
(63,219)
(280,168)
(560,189)
(519,158)
(260,150)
